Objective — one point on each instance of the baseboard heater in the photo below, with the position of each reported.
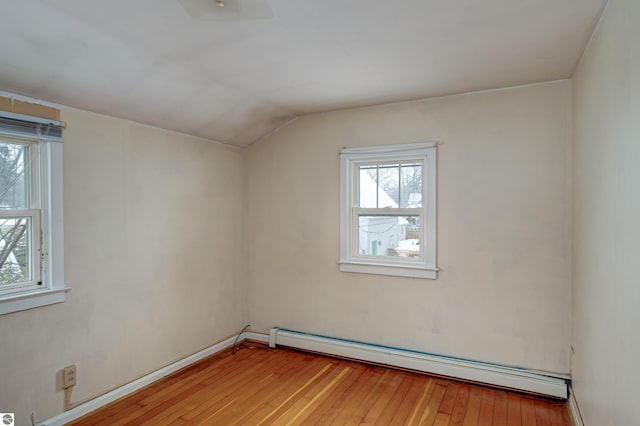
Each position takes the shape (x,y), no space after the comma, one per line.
(507,377)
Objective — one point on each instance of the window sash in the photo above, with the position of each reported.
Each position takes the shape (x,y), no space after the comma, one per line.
(35,165)
(358,212)
(358,166)
(34,253)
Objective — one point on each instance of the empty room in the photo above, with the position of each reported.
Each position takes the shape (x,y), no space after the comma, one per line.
(218,212)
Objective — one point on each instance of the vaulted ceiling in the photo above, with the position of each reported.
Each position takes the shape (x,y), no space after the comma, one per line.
(235,80)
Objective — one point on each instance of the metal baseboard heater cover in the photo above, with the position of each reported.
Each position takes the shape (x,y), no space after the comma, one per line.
(508,377)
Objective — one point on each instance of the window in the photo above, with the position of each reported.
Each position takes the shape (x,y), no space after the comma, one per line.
(31,247)
(387,210)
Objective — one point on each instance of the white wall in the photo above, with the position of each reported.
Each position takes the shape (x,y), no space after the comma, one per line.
(154,254)
(503,295)
(606,246)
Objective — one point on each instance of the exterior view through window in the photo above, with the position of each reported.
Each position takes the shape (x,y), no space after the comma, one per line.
(17,220)
(390,187)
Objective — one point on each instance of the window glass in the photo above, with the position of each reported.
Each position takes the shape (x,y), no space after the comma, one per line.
(15,250)
(14,176)
(410,185)
(396,185)
(397,236)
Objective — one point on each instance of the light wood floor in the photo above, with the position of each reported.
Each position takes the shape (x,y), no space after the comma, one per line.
(280,386)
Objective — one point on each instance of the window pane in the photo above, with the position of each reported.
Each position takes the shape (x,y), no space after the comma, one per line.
(15,235)
(389,236)
(367,187)
(14,175)
(379,186)
(411,185)
(390,185)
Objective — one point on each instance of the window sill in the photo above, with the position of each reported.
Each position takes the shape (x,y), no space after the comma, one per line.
(392,270)
(33,299)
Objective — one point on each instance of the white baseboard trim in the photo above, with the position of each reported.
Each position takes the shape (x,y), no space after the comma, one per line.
(576,417)
(258,337)
(515,378)
(94,404)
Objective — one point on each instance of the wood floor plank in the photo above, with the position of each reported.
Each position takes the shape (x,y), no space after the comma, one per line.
(449,398)
(230,379)
(500,408)
(557,415)
(285,387)
(340,392)
(315,394)
(392,406)
(203,401)
(365,408)
(279,396)
(217,368)
(157,409)
(157,397)
(265,403)
(231,404)
(485,417)
(473,407)
(340,412)
(442,419)
(514,415)
(528,411)
(382,398)
(430,413)
(408,403)
(542,414)
(460,406)
(290,399)
(421,405)
(133,404)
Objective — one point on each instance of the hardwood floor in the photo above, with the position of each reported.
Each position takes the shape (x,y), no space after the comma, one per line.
(279,387)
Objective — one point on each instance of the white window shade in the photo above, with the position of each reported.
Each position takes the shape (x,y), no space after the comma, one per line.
(18,125)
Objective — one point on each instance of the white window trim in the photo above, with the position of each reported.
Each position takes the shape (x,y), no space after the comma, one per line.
(349,262)
(53,289)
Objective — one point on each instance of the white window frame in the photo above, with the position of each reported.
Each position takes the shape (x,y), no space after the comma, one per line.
(47,214)
(350,260)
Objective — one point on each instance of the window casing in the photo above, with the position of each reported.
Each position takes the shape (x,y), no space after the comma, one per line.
(388,211)
(31,221)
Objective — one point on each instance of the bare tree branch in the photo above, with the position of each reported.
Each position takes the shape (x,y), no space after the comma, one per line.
(11,239)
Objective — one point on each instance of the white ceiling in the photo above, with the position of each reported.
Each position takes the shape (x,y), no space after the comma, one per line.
(235,81)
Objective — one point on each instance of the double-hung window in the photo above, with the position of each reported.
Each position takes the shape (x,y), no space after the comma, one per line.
(30,213)
(388,211)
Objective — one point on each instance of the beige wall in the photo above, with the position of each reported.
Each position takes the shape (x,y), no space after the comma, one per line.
(606,288)
(154,255)
(503,295)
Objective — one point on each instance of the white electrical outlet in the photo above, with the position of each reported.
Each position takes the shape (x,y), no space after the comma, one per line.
(69,376)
